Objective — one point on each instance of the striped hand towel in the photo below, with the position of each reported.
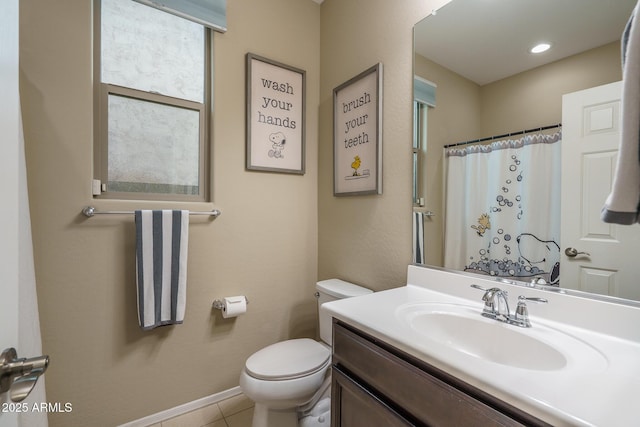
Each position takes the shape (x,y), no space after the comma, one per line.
(418,237)
(162,239)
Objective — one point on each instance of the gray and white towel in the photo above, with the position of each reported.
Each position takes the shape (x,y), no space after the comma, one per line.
(162,238)
(418,238)
(623,204)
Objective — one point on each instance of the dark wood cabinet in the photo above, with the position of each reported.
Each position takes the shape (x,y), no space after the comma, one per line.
(375,384)
(360,408)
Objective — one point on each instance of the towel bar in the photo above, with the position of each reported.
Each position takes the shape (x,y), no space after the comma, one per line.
(90,211)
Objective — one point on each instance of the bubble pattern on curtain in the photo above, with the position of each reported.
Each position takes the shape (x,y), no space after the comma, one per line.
(503,208)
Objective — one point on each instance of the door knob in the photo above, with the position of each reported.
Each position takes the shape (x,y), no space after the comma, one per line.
(20,375)
(573,252)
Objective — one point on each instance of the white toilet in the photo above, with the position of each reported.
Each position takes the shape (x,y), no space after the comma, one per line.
(290,381)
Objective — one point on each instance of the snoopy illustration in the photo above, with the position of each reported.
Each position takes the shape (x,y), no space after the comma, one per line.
(544,254)
(355,165)
(277,140)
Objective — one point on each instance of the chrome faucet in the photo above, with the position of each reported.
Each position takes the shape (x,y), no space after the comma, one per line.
(496,306)
(495,303)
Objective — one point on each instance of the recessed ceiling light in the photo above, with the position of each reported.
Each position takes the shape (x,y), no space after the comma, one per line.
(539,48)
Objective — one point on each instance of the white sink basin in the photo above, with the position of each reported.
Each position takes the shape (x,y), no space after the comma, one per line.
(463,329)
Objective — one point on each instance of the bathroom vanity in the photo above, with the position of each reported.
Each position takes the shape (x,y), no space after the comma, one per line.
(423,354)
(375,384)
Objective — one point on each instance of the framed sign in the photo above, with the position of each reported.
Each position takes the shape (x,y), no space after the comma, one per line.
(357,134)
(275,116)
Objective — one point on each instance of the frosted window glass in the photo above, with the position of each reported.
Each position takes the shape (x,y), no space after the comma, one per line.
(150,50)
(153,148)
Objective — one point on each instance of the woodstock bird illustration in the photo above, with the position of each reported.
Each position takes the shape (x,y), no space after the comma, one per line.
(483,224)
(355,165)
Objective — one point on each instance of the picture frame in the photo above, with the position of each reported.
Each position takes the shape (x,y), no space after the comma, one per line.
(357,134)
(275,116)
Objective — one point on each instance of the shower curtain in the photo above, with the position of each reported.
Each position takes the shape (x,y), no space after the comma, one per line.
(503,208)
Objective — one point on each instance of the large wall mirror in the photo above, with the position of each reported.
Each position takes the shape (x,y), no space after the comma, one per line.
(475,55)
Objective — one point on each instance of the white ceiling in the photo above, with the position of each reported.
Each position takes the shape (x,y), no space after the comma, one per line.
(487,40)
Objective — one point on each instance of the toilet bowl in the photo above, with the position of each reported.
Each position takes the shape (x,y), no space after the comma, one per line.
(289,381)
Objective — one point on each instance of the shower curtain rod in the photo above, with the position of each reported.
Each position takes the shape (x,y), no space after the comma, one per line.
(489,138)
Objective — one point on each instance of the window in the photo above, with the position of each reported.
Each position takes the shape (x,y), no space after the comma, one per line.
(152,103)
(424,97)
(419,150)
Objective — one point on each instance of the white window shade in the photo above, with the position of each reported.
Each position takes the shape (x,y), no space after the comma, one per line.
(148,50)
(210,13)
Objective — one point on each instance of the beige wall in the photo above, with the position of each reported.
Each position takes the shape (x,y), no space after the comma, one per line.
(277,235)
(534,98)
(531,99)
(264,245)
(367,239)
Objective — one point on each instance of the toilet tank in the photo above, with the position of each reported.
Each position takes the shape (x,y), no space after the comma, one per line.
(331,290)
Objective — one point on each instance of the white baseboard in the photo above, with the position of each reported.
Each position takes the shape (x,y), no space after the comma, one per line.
(184,408)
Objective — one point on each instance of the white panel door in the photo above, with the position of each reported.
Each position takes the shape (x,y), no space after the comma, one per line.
(9,145)
(607,261)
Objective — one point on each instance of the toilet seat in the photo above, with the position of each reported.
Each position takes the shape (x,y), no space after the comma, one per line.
(287,360)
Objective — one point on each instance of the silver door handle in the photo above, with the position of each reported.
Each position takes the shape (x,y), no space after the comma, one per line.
(573,252)
(19,376)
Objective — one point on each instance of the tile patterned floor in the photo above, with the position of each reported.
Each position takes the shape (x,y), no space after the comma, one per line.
(236,411)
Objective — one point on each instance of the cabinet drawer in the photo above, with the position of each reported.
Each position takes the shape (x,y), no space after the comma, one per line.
(355,406)
(410,385)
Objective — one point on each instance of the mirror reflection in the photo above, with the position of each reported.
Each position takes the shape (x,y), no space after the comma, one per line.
(474,57)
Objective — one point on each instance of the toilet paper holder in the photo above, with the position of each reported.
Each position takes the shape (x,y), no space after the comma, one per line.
(218,304)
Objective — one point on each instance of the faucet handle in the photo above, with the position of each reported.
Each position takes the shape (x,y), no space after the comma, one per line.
(490,293)
(522,299)
(491,309)
(522,312)
(490,290)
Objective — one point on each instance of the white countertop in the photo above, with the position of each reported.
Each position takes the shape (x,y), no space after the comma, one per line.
(602,395)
